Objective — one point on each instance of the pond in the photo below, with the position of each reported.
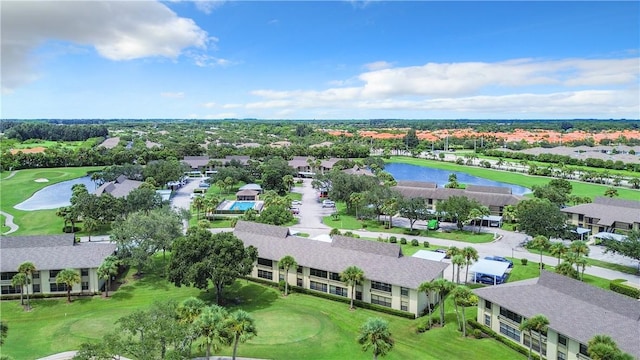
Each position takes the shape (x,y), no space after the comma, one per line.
(441,177)
(54,196)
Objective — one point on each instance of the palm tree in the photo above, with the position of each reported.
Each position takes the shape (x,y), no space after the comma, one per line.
(27,268)
(540,324)
(288,181)
(198,203)
(537,323)
(579,247)
(20,280)
(287,262)
(476,215)
(602,347)
(558,250)
(463,297)
(189,309)
(375,334)
(442,286)
(457,262)
(106,270)
(566,268)
(509,213)
(352,276)
(427,287)
(451,252)
(209,324)
(470,255)
(239,327)
(69,277)
(541,243)
(356,200)
(581,266)
(611,192)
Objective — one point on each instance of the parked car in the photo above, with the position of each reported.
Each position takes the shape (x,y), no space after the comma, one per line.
(328,204)
(295,211)
(488,279)
(500,258)
(444,251)
(296,202)
(433,224)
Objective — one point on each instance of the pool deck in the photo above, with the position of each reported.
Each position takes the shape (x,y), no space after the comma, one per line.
(227,206)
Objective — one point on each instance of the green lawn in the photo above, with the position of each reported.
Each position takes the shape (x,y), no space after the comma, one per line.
(594,262)
(21,186)
(532,270)
(579,188)
(296,327)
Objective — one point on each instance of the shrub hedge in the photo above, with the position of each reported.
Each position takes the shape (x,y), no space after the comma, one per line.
(517,347)
(357,303)
(617,286)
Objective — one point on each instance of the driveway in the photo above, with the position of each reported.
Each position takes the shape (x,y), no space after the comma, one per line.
(311,211)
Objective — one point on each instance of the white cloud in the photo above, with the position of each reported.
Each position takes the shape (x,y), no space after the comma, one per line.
(118,30)
(209,104)
(377,65)
(569,87)
(207,6)
(172,95)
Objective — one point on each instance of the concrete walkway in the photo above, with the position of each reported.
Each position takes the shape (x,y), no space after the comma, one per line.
(13,227)
(68,355)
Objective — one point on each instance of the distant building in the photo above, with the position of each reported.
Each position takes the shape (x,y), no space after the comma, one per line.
(119,188)
(605,214)
(391,279)
(493,197)
(576,312)
(50,254)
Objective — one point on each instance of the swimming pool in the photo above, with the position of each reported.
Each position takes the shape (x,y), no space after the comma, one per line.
(242,205)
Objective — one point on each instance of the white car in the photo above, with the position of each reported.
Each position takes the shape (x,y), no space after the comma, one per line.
(296,202)
(328,204)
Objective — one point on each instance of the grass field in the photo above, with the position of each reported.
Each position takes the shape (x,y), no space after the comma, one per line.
(532,270)
(579,188)
(296,327)
(21,186)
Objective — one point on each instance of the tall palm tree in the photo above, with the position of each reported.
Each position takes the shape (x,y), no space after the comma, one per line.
(108,269)
(20,280)
(463,297)
(352,276)
(288,181)
(375,335)
(540,324)
(27,268)
(451,252)
(457,262)
(476,215)
(442,286)
(209,324)
(581,266)
(602,347)
(484,211)
(287,262)
(356,200)
(470,255)
(189,309)
(509,213)
(536,323)
(240,327)
(69,277)
(427,287)
(198,203)
(579,247)
(558,249)
(541,243)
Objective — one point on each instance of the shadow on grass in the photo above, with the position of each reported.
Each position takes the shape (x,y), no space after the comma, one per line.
(243,294)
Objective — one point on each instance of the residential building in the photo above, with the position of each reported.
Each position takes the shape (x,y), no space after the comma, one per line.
(119,188)
(50,254)
(493,197)
(606,214)
(391,278)
(576,312)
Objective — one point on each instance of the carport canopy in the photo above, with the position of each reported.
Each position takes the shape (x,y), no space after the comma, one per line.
(490,267)
(609,236)
(430,255)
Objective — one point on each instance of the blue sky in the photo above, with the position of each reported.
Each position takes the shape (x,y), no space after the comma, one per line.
(320,60)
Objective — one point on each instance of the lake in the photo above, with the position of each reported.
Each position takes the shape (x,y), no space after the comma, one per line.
(54,196)
(441,177)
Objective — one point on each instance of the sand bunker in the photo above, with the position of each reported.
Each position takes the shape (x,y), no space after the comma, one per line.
(41,180)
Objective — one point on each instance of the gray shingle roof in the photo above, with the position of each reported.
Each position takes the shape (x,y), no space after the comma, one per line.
(404,271)
(417,184)
(575,309)
(52,252)
(119,188)
(489,189)
(607,212)
(371,247)
(264,229)
(603,200)
(196,161)
(485,198)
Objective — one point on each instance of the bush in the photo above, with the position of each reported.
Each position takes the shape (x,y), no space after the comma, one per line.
(477,333)
(425,244)
(393,239)
(403,241)
(334,231)
(415,242)
(364,226)
(617,286)
(422,328)
(414,232)
(524,261)
(281,285)
(517,347)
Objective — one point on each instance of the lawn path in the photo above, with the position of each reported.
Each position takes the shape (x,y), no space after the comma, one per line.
(9,222)
(11,175)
